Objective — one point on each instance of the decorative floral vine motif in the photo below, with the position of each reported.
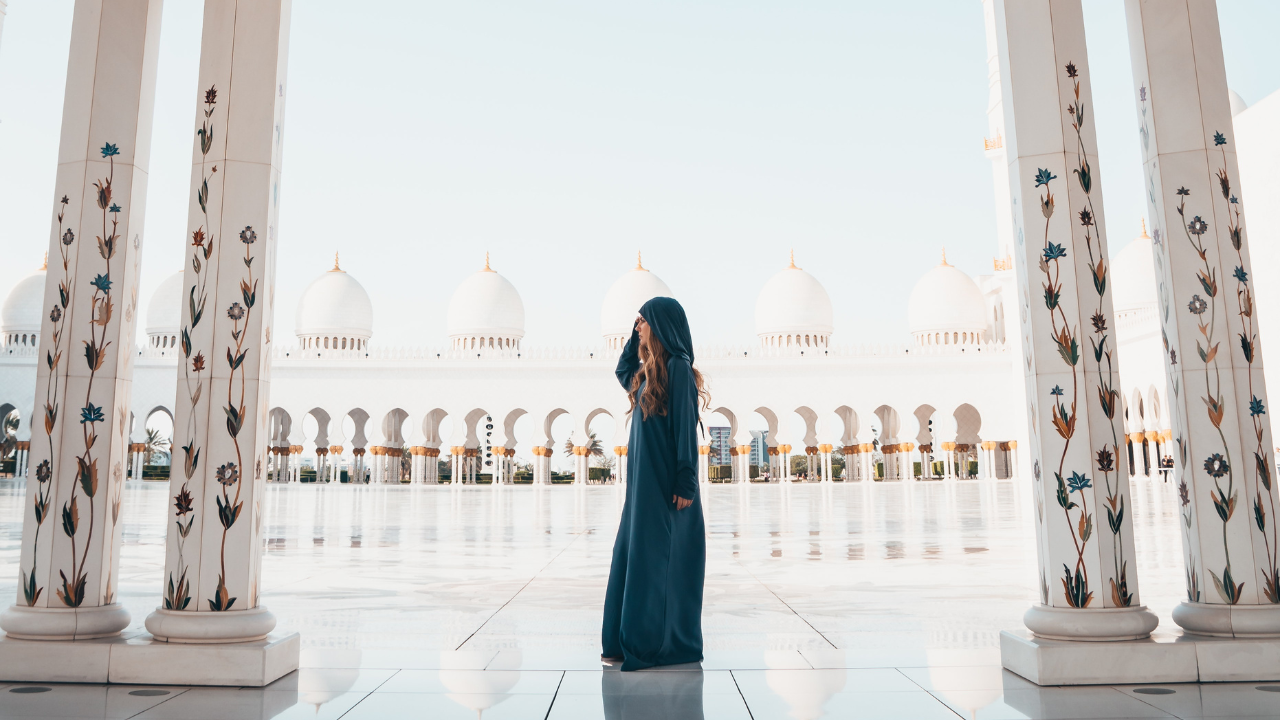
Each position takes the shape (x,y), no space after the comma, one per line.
(229,474)
(53,359)
(178,590)
(1248,337)
(1107,394)
(1187,509)
(1075,584)
(1219,464)
(95,353)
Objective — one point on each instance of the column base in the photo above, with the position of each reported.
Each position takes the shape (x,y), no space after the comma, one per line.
(137,658)
(41,623)
(232,626)
(1238,621)
(1083,625)
(1164,658)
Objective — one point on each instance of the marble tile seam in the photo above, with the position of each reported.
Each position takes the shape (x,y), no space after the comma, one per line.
(788,606)
(522,587)
(555,696)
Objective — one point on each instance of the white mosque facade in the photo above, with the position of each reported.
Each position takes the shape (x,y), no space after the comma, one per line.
(896,412)
(946,403)
(949,398)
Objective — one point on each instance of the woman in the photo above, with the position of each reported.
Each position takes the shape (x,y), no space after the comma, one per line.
(653,605)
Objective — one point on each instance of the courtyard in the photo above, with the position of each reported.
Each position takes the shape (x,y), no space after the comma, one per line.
(860,600)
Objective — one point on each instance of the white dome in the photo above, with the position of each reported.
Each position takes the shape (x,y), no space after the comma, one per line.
(164,312)
(946,300)
(625,296)
(793,302)
(335,304)
(486,305)
(1238,105)
(1133,275)
(24,308)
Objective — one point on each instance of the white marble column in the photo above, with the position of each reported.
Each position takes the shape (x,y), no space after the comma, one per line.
(1218,403)
(1087,577)
(70,547)
(214,547)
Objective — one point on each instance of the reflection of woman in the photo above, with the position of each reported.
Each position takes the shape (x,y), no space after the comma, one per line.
(653,605)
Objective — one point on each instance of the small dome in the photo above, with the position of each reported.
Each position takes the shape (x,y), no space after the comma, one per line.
(486,306)
(1133,274)
(335,304)
(1238,105)
(626,295)
(946,307)
(793,302)
(164,312)
(23,310)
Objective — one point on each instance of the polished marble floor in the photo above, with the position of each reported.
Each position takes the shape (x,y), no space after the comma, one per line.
(836,601)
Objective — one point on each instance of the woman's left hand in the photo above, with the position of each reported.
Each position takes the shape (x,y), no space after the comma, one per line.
(681,503)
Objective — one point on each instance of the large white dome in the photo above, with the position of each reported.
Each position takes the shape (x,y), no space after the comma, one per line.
(946,308)
(623,301)
(1133,275)
(1238,105)
(335,305)
(485,306)
(164,312)
(793,304)
(23,310)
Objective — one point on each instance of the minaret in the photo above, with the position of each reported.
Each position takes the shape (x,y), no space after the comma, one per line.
(994,143)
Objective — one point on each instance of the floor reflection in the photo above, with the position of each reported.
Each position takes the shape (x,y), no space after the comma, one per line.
(652,695)
(860,600)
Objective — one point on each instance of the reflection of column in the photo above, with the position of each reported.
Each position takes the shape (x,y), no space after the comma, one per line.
(70,548)
(214,548)
(1205,282)
(1084,544)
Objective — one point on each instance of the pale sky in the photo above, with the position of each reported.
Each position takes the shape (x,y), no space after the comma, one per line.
(563,136)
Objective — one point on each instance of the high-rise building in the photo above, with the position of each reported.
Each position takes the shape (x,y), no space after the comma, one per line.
(760,448)
(720,444)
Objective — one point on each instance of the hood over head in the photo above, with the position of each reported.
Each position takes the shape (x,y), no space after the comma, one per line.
(669,324)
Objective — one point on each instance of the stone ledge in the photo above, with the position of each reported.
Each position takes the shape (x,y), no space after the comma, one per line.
(139,659)
(1173,658)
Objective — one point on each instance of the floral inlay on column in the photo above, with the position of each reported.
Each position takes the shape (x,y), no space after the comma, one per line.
(1108,397)
(228,474)
(178,590)
(53,359)
(95,353)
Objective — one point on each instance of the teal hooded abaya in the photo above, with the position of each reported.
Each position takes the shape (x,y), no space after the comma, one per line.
(653,605)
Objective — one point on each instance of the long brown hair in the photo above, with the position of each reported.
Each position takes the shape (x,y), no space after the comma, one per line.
(653,376)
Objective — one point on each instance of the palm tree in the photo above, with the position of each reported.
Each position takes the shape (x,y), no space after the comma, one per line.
(154,445)
(597,449)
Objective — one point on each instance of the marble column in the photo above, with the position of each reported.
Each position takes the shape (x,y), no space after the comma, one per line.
(1218,404)
(1087,577)
(213,557)
(70,547)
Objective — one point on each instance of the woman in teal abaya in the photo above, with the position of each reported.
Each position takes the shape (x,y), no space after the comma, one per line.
(653,605)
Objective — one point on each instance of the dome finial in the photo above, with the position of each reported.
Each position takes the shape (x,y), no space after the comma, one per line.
(486,262)
(792,266)
(335,264)
(639,265)
(45,265)
(1144,229)
(944,257)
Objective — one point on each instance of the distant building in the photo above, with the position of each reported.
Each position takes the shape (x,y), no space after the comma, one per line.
(760,448)
(720,443)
